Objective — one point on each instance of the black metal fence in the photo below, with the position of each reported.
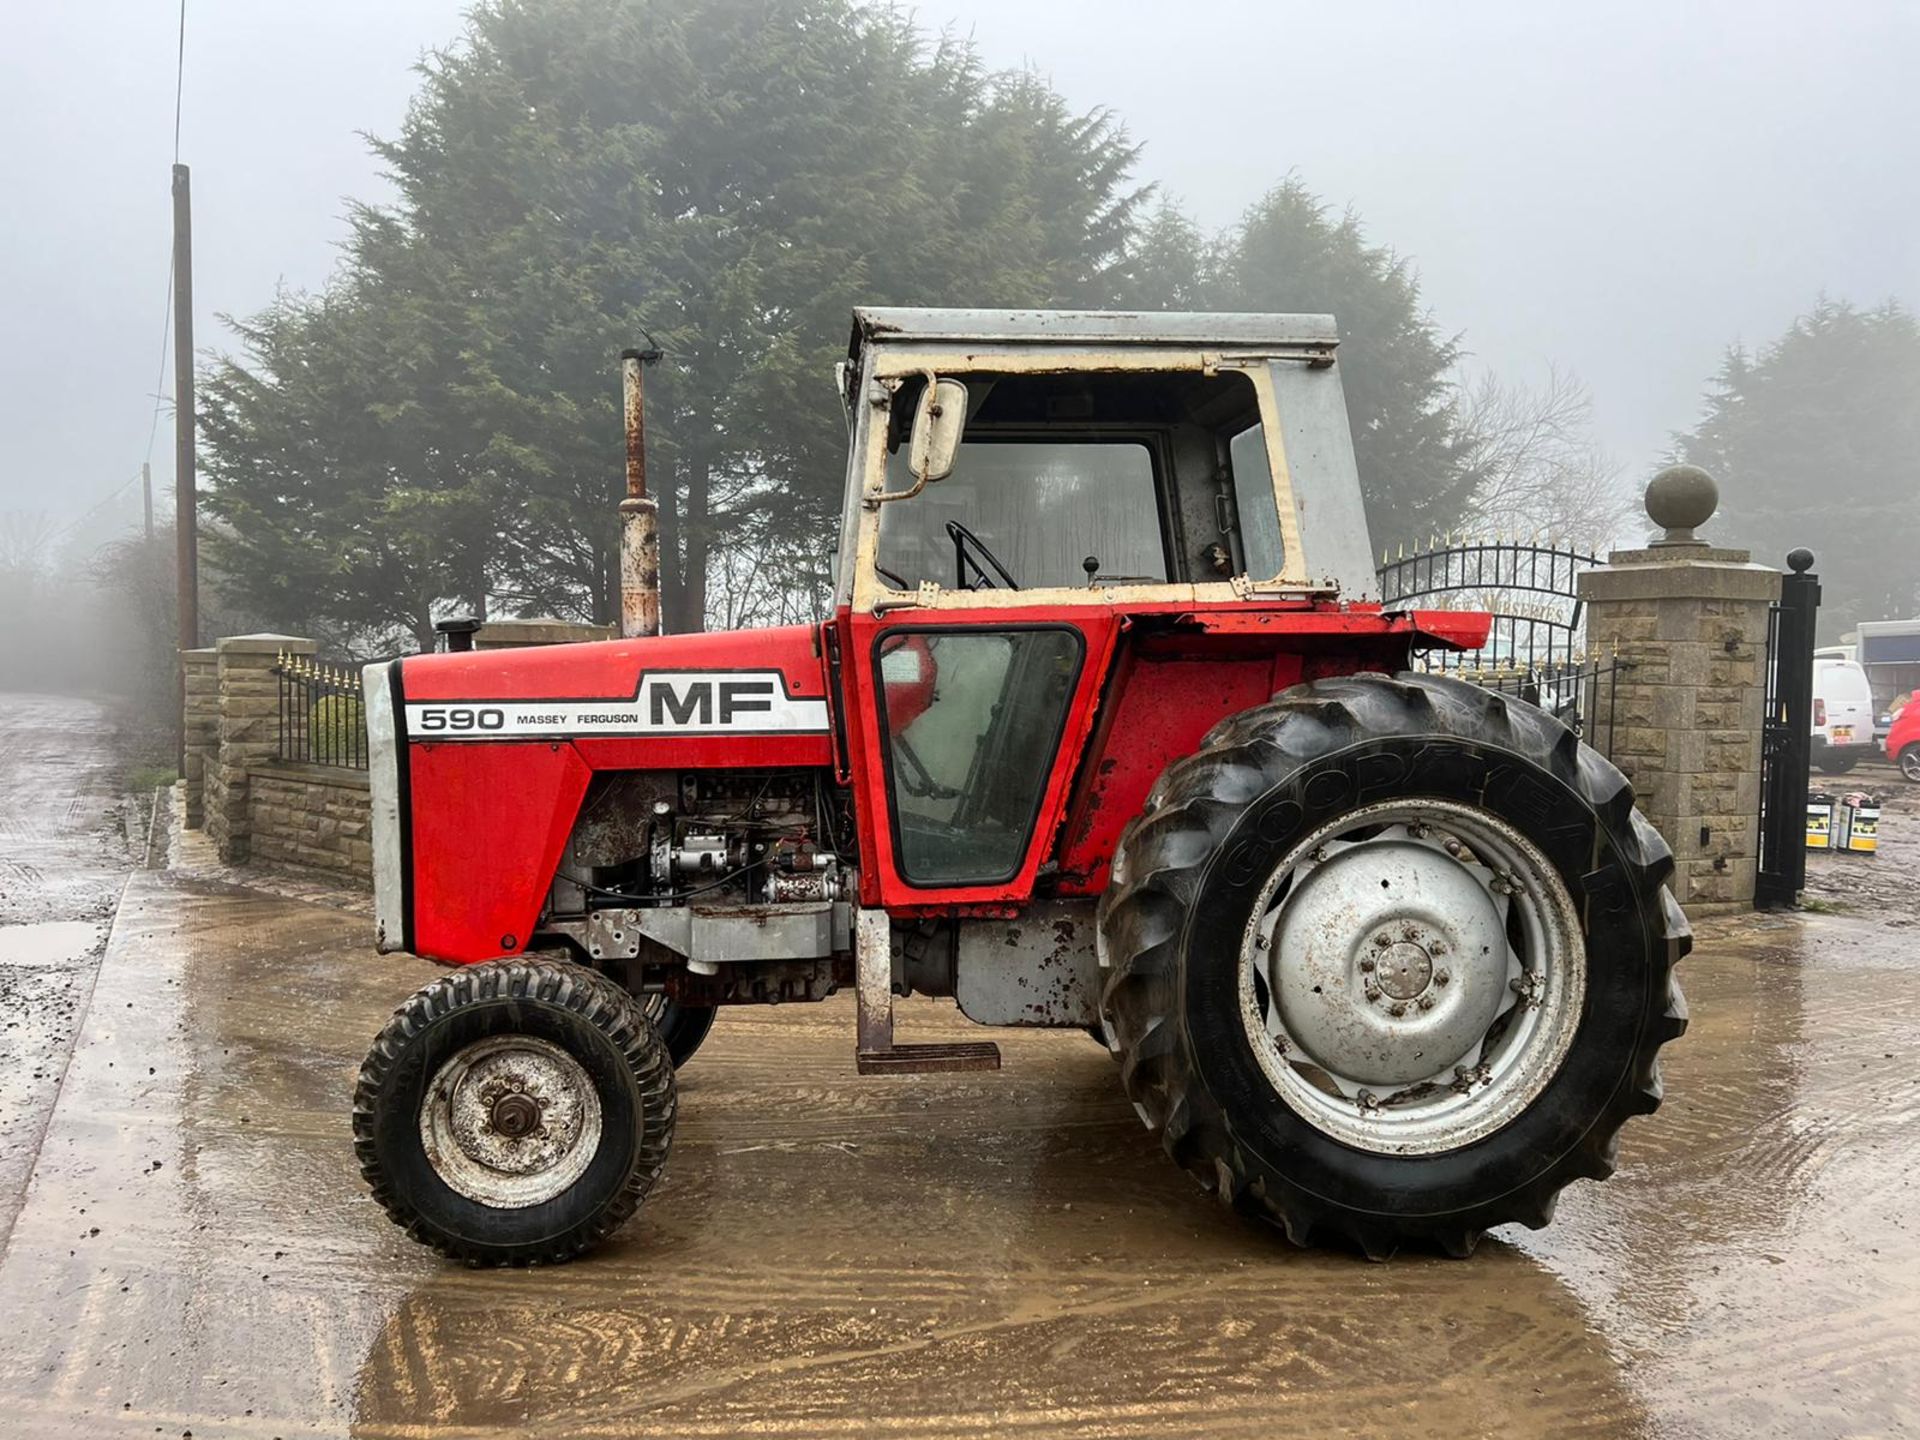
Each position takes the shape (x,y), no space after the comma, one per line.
(1536,647)
(323,720)
(1530,589)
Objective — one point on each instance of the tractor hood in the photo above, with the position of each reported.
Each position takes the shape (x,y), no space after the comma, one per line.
(479,761)
(748,682)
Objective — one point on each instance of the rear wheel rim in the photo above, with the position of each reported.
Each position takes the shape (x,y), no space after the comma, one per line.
(1412,975)
(510,1121)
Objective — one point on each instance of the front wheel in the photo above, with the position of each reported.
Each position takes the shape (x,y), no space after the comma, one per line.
(514,1113)
(1391,960)
(1910,762)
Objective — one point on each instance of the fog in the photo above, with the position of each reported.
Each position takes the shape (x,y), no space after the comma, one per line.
(1617,191)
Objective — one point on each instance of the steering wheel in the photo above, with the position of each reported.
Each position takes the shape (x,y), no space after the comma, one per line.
(965,540)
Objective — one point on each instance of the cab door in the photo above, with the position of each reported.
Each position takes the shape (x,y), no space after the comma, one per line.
(968,727)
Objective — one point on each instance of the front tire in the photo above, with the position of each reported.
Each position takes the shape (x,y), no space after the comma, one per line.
(1910,762)
(1390,960)
(514,1113)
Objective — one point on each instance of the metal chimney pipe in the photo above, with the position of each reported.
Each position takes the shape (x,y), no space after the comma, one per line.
(639,511)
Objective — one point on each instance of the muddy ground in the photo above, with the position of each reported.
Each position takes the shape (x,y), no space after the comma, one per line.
(65,850)
(953,1255)
(1883,886)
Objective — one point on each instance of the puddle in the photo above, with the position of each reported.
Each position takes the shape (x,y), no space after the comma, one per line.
(52,942)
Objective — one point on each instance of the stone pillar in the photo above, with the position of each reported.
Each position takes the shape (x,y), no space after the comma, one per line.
(201,723)
(249,731)
(1690,621)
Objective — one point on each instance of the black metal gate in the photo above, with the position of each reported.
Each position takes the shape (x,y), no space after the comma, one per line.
(1786,738)
(1536,648)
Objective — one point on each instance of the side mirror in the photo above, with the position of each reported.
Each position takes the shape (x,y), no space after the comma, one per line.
(937,425)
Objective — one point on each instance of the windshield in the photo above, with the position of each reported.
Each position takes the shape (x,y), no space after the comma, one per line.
(1041,508)
(1070,479)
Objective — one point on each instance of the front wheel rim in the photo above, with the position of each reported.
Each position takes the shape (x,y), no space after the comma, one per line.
(510,1121)
(1910,762)
(1412,975)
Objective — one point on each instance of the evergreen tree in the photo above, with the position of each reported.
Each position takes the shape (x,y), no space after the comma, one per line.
(1815,441)
(731,176)
(1416,462)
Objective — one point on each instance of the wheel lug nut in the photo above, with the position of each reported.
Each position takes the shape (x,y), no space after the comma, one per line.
(1382,940)
(1426,1002)
(1367,963)
(1373,992)
(1453,847)
(1397,1008)
(1441,977)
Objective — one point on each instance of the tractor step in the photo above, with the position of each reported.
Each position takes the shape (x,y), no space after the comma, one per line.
(876,1054)
(927,1059)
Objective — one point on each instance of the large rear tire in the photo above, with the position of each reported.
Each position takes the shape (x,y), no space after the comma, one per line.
(1390,960)
(1833,764)
(514,1113)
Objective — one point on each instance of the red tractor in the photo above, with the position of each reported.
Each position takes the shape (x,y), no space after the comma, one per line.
(1101,734)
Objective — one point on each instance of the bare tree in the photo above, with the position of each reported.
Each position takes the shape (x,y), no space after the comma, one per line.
(26,545)
(773,568)
(1542,470)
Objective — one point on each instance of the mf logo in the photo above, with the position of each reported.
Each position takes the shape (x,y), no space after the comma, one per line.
(702,702)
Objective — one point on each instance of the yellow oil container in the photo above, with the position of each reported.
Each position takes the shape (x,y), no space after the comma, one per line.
(1819,822)
(1857,824)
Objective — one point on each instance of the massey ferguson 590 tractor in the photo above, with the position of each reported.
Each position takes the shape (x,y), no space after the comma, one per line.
(1102,734)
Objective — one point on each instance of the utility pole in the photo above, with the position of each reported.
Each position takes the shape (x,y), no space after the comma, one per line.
(186,537)
(146,496)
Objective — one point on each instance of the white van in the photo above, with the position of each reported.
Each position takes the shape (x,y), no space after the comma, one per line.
(1842,715)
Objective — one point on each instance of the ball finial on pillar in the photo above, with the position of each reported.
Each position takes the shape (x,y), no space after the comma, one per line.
(1680,499)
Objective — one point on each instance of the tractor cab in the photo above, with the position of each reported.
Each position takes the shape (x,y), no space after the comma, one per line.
(1093,458)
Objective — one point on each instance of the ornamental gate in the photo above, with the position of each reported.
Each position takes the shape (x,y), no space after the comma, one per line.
(1536,649)
(1786,737)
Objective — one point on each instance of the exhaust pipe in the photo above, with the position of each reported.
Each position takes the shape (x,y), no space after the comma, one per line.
(639,512)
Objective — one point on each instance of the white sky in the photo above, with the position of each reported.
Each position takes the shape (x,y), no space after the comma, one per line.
(1621,190)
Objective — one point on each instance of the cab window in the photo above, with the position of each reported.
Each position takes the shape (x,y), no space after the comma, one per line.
(1071,479)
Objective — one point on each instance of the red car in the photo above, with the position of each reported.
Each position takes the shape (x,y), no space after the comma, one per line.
(1903,741)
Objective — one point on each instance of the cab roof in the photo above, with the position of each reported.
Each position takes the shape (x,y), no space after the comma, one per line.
(877,325)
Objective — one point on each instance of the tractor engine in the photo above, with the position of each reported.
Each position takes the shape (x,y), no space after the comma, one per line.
(711,887)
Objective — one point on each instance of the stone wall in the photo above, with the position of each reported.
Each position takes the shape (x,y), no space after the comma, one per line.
(313,816)
(249,731)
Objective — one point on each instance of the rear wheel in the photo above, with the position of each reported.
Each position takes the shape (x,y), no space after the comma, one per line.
(514,1113)
(1390,960)
(1833,764)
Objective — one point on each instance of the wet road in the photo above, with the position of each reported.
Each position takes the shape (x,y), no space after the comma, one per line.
(943,1255)
(63,858)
